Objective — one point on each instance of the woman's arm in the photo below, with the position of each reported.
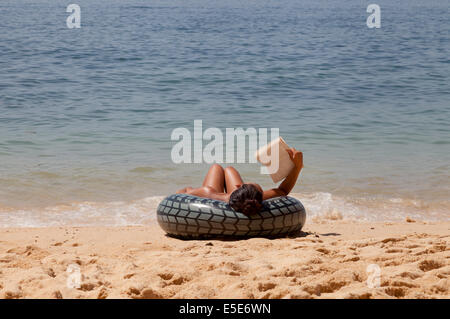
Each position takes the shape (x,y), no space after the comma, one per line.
(289,182)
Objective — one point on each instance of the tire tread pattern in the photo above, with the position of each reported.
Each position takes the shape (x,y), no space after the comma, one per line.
(192,217)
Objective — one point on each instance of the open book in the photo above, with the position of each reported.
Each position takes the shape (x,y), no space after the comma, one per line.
(276,159)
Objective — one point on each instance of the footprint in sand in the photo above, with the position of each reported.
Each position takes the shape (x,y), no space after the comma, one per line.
(323,250)
(397,292)
(57,294)
(173,279)
(394,250)
(326,287)
(88,286)
(351,259)
(411,275)
(166,276)
(266,286)
(427,265)
(392,240)
(50,272)
(144,293)
(102,294)
(128,276)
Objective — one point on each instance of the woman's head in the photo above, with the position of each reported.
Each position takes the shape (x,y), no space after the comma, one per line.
(247,199)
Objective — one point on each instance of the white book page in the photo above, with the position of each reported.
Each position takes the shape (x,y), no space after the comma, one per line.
(276,160)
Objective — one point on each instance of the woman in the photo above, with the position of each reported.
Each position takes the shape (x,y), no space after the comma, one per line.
(227,185)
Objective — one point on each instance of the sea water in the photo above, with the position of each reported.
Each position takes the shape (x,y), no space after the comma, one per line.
(86,114)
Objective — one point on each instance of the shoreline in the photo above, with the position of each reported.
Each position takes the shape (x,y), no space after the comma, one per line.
(142,212)
(328,260)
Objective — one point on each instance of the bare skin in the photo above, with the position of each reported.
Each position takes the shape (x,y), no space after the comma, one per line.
(219,183)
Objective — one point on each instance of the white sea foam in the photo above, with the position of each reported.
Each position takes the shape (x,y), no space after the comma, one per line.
(330,206)
(318,206)
(139,212)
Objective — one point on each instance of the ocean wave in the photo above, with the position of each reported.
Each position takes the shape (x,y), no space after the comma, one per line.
(120,213)
(329,206)
(319,207)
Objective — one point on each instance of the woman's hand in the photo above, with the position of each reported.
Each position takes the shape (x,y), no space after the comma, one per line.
(296,157)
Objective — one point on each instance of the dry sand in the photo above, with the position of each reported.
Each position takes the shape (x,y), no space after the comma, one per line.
(328,260)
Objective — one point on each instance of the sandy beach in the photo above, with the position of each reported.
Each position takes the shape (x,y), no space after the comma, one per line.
(108,107)
(329,259)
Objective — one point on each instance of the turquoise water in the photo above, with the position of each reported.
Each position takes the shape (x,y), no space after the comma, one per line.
(86,114)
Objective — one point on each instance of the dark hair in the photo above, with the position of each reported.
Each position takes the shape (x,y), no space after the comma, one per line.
(247,199)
